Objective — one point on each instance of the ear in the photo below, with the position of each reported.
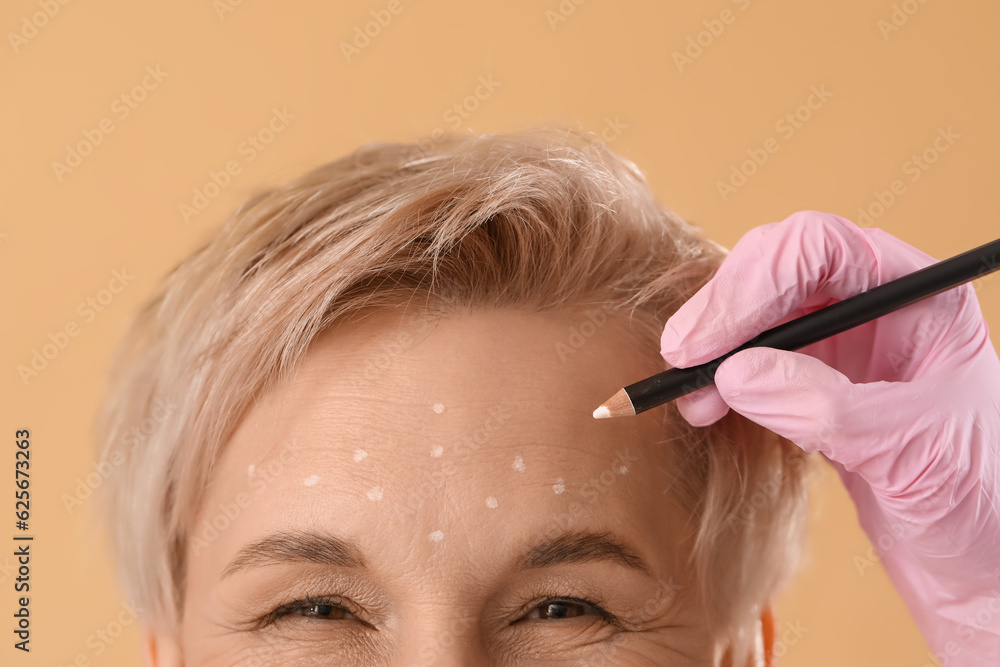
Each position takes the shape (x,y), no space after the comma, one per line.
(160,650)
(763,652)
(767,632)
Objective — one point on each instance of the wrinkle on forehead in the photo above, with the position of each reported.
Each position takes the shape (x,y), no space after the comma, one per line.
(509,397)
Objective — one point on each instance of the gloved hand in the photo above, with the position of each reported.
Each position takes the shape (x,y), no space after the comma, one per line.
(906,408)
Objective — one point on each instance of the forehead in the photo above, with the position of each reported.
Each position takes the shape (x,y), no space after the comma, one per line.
(415,379)
(427,429)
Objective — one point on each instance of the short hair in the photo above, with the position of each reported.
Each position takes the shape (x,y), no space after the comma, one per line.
(547,218)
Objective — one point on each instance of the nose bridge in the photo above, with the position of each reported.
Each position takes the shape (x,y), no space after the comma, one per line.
(450,642)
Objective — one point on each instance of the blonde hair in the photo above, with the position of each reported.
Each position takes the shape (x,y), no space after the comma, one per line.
(547,218)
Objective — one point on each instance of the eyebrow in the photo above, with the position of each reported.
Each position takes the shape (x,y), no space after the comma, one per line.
(583,547)
(327,549)
(296,547)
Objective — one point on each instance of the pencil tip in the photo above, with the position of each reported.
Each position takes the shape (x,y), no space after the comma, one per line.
(619,405)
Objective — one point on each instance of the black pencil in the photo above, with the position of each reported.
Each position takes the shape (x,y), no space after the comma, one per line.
(808,329)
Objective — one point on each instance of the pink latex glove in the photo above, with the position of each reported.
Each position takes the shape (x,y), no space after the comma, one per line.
(906,408)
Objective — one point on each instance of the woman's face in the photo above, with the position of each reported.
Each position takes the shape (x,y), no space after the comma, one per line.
(439,494)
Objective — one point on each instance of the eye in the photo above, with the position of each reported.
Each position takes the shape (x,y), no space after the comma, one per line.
(321,608)
(318,609)
(555,609)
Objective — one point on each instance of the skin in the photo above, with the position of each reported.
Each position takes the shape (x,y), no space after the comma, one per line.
(448,578)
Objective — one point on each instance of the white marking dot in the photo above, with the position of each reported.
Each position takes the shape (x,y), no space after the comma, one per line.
(491,502)
(359,454)
(438,408)
(602,413)
(436,536)
(375,494)
(519,464)
(437,451)
(559,487)
(311,480)
(622,470)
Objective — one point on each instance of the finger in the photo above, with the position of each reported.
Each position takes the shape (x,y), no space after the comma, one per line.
(790,393)
(777,272)
(888,432)
(702,407)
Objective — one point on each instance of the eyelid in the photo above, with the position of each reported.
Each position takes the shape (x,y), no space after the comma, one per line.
(598,607)
(283,586)
(536,587)
(286,609)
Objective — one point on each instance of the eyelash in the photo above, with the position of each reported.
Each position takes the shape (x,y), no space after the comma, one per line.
(289,609)
(606,616)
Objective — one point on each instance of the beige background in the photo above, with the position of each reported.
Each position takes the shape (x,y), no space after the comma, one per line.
(894,74)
